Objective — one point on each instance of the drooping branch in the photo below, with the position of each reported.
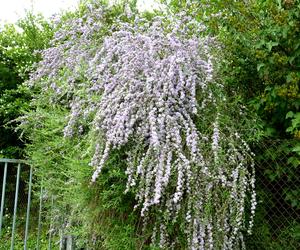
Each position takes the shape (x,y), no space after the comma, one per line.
(152,82)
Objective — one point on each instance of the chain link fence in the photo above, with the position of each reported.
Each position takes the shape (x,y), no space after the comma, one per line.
(277,222)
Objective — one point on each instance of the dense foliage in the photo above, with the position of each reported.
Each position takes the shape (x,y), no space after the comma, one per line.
(261,67)
(143,89)
(18,52)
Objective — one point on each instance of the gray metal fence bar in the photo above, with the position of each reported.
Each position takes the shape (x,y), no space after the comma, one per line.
(11,160)
(40,220)
(70,242)
(28,209)
(50,230)
(15,208)
(3,196)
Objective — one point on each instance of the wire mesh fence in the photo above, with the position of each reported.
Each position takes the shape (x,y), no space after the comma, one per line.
(277,223)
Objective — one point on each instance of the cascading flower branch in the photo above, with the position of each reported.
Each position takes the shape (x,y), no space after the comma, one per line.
(156,88)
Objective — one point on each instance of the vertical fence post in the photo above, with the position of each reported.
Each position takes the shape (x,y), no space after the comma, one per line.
(40,219)
(67,242)
(15,208)
(50,230)
(3,196)
(28,209)
(70,242)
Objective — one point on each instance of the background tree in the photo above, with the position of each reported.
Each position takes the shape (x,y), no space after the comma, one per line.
(19,50)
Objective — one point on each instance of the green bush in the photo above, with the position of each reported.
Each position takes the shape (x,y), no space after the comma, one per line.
(100,214)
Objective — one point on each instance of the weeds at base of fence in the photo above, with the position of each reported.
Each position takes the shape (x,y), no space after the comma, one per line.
(19,240)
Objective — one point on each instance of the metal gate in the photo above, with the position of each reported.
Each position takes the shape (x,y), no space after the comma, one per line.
(16,205)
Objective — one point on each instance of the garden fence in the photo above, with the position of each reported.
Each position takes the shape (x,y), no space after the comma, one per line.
(27,214)
(277,221)
(26,222)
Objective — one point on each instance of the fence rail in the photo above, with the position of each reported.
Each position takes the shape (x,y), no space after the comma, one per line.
(5,160)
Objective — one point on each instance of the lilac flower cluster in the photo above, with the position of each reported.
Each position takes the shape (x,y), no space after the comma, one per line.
(142,83)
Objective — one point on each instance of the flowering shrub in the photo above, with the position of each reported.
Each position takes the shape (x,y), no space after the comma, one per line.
(149,85)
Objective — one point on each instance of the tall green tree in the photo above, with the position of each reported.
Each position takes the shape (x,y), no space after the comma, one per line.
(19,50)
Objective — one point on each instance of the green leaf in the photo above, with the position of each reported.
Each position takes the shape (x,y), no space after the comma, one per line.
(296,149)
(259,66)
(279,4)
(294,161)
(270,45)
(290,114)
(269,131)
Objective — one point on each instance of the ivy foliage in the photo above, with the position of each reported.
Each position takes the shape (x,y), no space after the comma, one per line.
(260,42)
(263,62)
